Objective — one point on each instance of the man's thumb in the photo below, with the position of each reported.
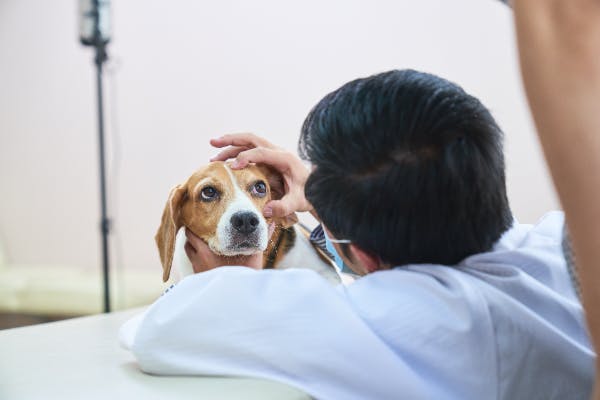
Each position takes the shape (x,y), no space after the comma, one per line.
(277,209)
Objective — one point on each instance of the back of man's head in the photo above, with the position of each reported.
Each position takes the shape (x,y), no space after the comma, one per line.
(409,167)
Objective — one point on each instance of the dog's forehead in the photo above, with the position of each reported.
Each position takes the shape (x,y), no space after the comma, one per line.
(214,170)
(221,172)
(250,173)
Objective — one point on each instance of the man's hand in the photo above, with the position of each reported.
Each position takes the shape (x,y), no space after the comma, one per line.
(203,259)
(248,148)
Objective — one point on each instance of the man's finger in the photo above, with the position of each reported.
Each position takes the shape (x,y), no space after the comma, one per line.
(274,158)
(190,251)
(230,152)
(241,139)
(192,239)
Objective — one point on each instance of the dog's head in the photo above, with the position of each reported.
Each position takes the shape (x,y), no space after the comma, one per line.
(223,207)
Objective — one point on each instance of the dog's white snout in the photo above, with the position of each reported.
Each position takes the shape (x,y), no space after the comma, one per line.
(242,232)
(241,229)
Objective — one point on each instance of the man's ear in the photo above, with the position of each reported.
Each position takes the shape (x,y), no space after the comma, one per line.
(369,262)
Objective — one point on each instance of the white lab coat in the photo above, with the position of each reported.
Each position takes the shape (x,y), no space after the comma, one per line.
(501,325)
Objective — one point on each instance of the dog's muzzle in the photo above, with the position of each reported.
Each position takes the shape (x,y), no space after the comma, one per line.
(244,222)
(246,235)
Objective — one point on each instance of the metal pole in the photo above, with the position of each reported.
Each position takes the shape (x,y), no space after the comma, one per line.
(104,222)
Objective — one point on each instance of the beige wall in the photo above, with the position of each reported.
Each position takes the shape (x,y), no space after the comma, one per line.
(185,71)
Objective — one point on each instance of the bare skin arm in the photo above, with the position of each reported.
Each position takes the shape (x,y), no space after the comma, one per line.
(559,49)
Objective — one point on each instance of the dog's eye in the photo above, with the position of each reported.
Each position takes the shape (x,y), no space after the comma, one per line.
(259,189)
(209,193)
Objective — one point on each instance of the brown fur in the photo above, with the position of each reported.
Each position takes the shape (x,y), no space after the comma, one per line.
(280,242)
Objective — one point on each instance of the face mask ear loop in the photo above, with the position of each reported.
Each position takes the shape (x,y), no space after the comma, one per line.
(339,262)
(340,241)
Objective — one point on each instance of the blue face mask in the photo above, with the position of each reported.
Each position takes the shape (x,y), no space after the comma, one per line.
(339,262)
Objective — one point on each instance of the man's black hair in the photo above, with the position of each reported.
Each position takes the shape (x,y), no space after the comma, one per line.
(409,167)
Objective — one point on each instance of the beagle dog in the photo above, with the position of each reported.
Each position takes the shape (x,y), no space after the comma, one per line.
(223,207)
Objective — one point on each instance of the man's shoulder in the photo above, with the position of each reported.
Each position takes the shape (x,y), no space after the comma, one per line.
(531,254)
(547,230)
(421,297)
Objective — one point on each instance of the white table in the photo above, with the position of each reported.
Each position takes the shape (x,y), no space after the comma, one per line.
(81,359)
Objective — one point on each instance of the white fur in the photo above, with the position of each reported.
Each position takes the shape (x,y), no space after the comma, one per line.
(304,255)
(241,203)
(181,262)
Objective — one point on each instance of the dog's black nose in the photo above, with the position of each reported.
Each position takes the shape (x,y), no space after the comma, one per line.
(244,222)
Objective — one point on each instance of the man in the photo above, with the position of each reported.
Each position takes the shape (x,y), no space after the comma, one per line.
(456,301)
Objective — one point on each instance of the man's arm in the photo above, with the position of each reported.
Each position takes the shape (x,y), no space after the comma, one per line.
(559,48)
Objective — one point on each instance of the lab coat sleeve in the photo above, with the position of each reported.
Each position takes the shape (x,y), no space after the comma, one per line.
(289,326)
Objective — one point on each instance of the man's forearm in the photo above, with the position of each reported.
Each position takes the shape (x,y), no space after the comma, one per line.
(559,49)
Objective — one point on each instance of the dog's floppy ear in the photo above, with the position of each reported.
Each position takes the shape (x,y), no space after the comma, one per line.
(170,224)
(277,191)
